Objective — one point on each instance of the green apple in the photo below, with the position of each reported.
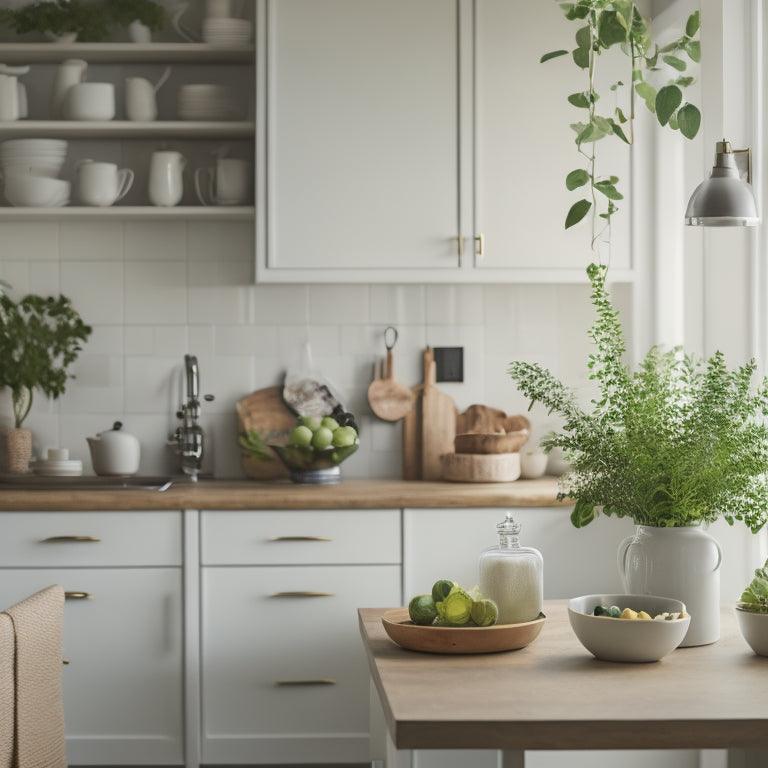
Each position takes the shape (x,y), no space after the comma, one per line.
(322,438)
(344,436)
(312,422)
(330,422)
(301,435)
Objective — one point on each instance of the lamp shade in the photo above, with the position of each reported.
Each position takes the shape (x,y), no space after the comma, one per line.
(724,199)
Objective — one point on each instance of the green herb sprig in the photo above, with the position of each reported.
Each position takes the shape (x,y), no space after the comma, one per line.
(679,441)
(755,597)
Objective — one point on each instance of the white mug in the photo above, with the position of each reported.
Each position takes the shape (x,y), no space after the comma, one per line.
(228,183)
(166,178)
(9,98)
(102,184)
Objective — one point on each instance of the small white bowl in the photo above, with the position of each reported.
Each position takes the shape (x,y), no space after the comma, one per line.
(627,640)
(754,629)
(26,190)
(90,101)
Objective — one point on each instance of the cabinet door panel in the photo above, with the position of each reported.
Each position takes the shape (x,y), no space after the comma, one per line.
(268,662)
(123,683)
(524,145)
(362,152)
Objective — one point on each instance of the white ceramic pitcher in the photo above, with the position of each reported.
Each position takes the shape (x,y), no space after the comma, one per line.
(166,178)
(70,72)
(141,97)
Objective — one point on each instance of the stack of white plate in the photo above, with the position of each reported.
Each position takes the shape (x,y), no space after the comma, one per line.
(227,32)
(52,468)
(30,170)
(206,101)
(41,157)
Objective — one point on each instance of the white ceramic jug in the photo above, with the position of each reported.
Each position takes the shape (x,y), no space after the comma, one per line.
(9,98)
(166,178)
(70,72)
(141,97)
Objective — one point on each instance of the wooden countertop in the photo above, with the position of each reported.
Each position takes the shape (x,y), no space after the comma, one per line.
(248,494)
(554,695)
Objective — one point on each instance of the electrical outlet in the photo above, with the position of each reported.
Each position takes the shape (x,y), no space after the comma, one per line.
(449,363)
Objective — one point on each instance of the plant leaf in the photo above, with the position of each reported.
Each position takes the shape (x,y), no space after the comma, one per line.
(611,28)
(693,23)
(689,120)
(577,212)
(684,82)
(581,57)
(552,55)
(648,93)
(577,178)
(584,37)
(675,63)
(579,100)
(609,190)
(619,131)
(693,49)
(667,101)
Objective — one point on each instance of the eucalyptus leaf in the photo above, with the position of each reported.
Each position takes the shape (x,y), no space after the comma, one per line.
(619,131)
(581,57)
(579,100)
(552,55)
(609,190)
(577,212)
(584,37)
(689,120)
(675,63)
(693,49)
(668,99)
(648,93)
(611,28)
(684,81)
(576,179)
(693,24)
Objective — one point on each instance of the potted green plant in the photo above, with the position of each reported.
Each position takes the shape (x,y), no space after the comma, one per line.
(40,337)
(140,17)
(752,612)
(674,445)
(59,19)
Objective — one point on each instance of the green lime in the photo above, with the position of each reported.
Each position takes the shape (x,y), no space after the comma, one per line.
(322,438)
(313,422)
(330,422)
(344,436)
(301,435)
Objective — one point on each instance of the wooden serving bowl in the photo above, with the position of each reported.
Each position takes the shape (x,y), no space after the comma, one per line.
(431,639)
(483,442)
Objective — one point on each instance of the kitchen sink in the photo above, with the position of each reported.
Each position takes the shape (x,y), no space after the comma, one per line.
(86,482)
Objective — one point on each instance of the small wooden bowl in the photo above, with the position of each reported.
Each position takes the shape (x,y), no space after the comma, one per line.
(498,637)
(481,442)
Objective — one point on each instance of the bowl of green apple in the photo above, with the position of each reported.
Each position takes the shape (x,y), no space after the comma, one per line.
(316,447)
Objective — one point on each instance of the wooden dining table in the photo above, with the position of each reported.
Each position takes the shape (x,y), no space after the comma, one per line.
(554,695)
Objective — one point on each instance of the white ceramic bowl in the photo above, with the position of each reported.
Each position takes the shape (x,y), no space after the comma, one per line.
(26,190)
(90,101)
(754,628)
(626,640)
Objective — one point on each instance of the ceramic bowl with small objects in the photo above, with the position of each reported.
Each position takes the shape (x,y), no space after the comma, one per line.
(754,629)
(611,638)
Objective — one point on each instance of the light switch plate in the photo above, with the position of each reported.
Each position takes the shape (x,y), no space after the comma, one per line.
(449,363)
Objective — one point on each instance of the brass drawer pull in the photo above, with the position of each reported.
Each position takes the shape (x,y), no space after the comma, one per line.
(302,594)
(301,538)
(69,538)
(321,681)
(78,596)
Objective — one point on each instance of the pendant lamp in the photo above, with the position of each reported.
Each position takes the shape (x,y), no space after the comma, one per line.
(724,199)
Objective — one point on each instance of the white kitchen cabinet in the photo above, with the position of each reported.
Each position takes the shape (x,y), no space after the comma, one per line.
(418,142)
(284,675)
(123,634)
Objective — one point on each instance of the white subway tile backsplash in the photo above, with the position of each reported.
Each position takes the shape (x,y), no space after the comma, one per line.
(43,278)
(212,273)
(156,241)
(91,241)
(248,340)
(25,242)
(217,242)
(211,304)
(155,292)
(279,304)
(139,340)
(96,290)
(152,384)
(398,304)
(104,340)
(458,305)
(341,304)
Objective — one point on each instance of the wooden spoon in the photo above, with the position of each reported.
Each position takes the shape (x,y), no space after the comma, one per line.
(390,399)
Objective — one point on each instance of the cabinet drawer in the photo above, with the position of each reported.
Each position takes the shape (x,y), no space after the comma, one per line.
(300,537)
(56,539)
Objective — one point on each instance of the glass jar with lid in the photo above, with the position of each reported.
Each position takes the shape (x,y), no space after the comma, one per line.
(512,575)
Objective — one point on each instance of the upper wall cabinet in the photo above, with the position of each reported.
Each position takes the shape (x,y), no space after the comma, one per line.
(419,142)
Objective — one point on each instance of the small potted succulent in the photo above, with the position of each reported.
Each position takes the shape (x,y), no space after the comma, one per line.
(40,337)
(752,612)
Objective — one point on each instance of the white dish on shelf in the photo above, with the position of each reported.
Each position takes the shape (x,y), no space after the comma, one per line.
(51,468)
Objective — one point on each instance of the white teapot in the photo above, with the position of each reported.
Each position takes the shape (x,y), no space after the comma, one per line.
(114,452)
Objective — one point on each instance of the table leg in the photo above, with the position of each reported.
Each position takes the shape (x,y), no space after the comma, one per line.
(512,758)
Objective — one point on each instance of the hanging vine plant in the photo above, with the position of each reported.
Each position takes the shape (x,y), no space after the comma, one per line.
(603,25)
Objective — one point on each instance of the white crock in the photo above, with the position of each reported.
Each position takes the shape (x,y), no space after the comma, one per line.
(682,563)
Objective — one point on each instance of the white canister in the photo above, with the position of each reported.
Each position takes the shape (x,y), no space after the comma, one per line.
(512,576)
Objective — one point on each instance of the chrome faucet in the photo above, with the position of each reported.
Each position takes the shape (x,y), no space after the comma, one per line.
(187,440)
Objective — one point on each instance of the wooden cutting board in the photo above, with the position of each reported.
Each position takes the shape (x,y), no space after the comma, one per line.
(430,427)
(265,411)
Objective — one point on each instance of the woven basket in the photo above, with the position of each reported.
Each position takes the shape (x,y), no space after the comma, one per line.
(19,442)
